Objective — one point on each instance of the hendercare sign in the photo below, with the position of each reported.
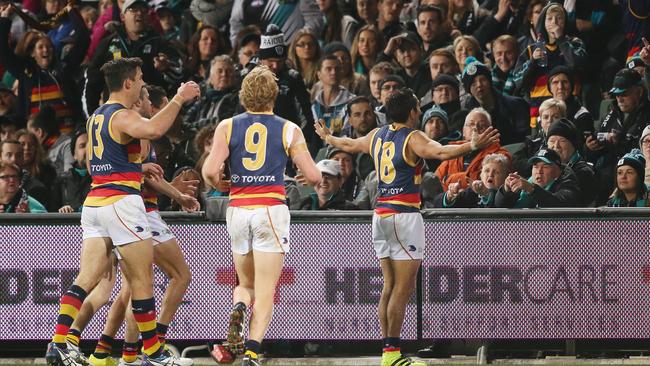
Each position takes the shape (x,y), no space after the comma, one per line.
(480,279)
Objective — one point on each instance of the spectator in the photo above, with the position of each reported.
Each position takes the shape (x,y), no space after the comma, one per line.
(34,159)
(550,111)
(563,137)
(442,61)
(171,31)
(56,146)
(465,17)
(89,14)
(535,62)
(551,185)
(444,93)
(329,105)
(205,44)
(361,120)
(506,19)
(71,189)
(389,85)
(509,113)
(376,76)
(430,25)
(644,145)
(367,11)
(504,51)
(458,170)
(561,84)
(365,49)
(620,130)
(338,27)
(406,49)
(292,102)
(435,124)
(247,45)
(529,33)
(160,61)
(11,152)
(7,129)
(288,16)
(356,83)
(464,47)
(630,191)
(7,102)
(388,21)
(304,54)
(219,99)
(43,79)
(12,197)
(351,184)
(328,195)
(203,141)
(480,193)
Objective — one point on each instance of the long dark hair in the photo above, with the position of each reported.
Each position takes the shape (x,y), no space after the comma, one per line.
(193,47)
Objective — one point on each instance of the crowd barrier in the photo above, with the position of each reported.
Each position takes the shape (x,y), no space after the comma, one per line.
(488,274)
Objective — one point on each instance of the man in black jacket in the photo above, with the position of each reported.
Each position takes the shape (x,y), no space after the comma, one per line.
(161,64)
(293,101)
(551,185)
(509,114)
(620,129)
(70,190)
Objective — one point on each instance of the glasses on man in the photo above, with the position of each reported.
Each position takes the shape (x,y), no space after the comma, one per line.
(479,126)
(645,143)
(9,177)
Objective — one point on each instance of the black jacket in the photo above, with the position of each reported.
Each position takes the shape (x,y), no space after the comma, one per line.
(70,189)
(336,202)
(510,116)
(564,192)
(213,107)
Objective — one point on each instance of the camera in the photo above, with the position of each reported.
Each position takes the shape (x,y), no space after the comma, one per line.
(602,136)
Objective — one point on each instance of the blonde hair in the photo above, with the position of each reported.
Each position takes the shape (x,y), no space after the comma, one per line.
(552,103)
(309,74)
(259,90)
(354,50)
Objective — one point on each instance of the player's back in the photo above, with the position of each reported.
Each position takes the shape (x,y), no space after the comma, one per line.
(115,162)
(258,145)
(398,178)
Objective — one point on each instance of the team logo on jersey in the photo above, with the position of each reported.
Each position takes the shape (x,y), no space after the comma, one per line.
(139,229)
(285,240)
(155,233)
(234,178)
(412,248)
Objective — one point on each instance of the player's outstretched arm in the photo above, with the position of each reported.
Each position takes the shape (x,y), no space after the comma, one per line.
(426,148)
(212,167)
(302,158)
(131,123)
(354,146)
(187,202)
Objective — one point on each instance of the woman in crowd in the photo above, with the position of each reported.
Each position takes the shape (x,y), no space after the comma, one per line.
(365,47)
(246,45)
(304,53)
(34,160)
(630,189)
(206,43)
(338,27)
(465,16)
(465,46)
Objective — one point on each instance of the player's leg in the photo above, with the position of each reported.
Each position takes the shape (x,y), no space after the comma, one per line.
(169,258)
(102,354)
(388,277)
(95,262)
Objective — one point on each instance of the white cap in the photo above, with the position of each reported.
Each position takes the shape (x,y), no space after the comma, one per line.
(646,132)
(328,166)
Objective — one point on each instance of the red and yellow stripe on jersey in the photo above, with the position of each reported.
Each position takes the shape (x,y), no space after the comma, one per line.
(258,157)
(115,165)
(398,178)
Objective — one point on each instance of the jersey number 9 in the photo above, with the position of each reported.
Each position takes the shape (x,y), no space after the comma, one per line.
(255,144)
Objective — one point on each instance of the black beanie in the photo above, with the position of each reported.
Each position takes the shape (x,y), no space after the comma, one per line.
(565,128)
(272,43)
(474,68)
(560,70)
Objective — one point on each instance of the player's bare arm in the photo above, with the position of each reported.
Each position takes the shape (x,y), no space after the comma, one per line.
(212,167)
(130,123)
(354,146)
(301,157)
(426,148)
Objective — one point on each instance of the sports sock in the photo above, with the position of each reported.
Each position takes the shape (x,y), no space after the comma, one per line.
(104,347)
(252,348)
(70,304)
(161,330)
(73,336)
(130,351)
(144,312)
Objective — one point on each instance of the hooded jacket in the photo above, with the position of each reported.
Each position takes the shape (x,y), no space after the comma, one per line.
(531,79)
(563,192)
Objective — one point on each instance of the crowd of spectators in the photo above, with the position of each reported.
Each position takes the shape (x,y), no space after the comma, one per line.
(564,82)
